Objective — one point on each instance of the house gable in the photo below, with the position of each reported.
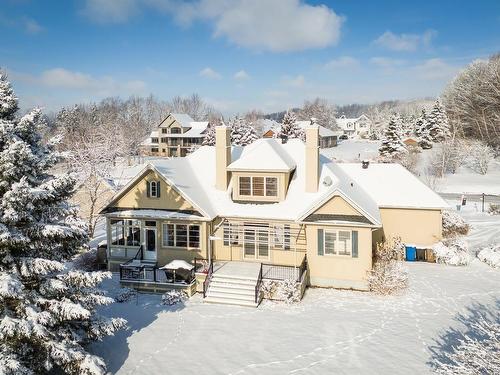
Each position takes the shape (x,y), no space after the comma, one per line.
(170,122)
(135,196)
(337,205)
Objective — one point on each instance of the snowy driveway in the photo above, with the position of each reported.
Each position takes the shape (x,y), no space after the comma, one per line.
(330,331)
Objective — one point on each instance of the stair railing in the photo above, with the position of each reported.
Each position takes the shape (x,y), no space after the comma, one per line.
(208,278)
(257,286)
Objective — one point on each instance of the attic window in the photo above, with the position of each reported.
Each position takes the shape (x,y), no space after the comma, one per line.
(258,186)
(153,189)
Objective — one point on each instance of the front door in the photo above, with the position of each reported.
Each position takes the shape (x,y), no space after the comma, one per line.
(149,243)
(255,242)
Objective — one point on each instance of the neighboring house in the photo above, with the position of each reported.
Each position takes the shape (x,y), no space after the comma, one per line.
(176,135)
(327,138)
(411,141)
(358,127)
(264,211)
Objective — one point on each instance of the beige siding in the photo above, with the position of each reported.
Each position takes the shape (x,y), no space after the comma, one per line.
(136,196)
(417,226)
(337,205)
(336,270)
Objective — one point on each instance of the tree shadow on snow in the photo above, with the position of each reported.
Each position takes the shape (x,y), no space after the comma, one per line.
(140,312)
(450,339)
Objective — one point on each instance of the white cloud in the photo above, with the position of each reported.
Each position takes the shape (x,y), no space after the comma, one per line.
(298,81)
(209,73)
(405,42)
(387,62)
(110,11)
(268,25)
(435,69)
(241,75)
(31,26)
(66,79)
(342,62)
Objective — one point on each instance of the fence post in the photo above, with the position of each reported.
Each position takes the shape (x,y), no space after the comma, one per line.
(483,203)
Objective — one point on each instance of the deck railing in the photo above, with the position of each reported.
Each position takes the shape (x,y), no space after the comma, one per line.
(257,286)
(277,272)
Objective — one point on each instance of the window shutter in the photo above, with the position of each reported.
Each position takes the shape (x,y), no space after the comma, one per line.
(148,189)
(158,189)
(354,243)
(321,245)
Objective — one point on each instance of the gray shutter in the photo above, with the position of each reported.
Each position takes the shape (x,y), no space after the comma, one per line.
(147,189)
(321,245)
(158,189)
(354,243)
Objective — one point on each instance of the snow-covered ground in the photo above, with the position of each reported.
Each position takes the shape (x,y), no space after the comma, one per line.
(330,331)
(352,150)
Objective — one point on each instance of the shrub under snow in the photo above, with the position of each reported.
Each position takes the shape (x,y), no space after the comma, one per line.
(125,294)
(490,255)
(454,224)
(476,353)
(389,275)
(288,291)
(454,252)
(173,297)
(494,209)
(86,261)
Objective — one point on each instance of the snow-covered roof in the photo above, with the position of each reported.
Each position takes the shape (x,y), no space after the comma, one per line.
(323,132)
(194,177)
(392,185)
(160,214)
(263,155)
(182,118)
(343,121)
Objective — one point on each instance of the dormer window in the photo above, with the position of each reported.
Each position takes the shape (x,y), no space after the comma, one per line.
(258,186)
(153,189)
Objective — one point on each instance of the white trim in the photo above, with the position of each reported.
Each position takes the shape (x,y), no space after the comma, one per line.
(146,251)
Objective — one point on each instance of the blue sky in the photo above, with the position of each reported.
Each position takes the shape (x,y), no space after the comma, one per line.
(241,54)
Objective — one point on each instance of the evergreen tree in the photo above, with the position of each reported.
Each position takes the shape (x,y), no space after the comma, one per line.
(422,131)
(209,139)
(47,312)
(438,123)
(242,132)
(392,145)
(290,129)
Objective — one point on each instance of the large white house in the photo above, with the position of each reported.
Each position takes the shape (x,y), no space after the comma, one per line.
(355,127)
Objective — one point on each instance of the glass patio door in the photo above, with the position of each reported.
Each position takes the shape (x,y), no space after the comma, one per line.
(149,243)
(256,242)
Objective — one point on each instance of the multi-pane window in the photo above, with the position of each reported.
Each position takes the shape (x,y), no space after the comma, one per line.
(164,139)
(181,235)
(231,234)
(258,186)
(245,186)
(175,130)
(154,139)
(154,189)
(154,149)
(271,186)
(164,131)
(338,242)
(125,232)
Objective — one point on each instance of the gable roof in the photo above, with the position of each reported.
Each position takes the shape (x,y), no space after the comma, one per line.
(323,132)
(263,155)
(182,118)
(392,185)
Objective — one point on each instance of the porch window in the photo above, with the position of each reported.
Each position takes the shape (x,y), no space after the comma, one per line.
(181,235)
(125,232)
(231,234)
(281,236)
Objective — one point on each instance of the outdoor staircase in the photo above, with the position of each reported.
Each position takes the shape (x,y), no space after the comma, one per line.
(232,288)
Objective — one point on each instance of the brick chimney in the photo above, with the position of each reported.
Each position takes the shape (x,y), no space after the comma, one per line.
(222,156)
(312,157)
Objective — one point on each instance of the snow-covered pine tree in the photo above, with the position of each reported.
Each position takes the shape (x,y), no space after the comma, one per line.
(422,132)
(209,139)
(392,145)
(437,120)
(289,128)
(242,132)
(47,312)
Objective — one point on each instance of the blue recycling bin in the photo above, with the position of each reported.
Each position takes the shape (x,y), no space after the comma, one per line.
(411,253)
